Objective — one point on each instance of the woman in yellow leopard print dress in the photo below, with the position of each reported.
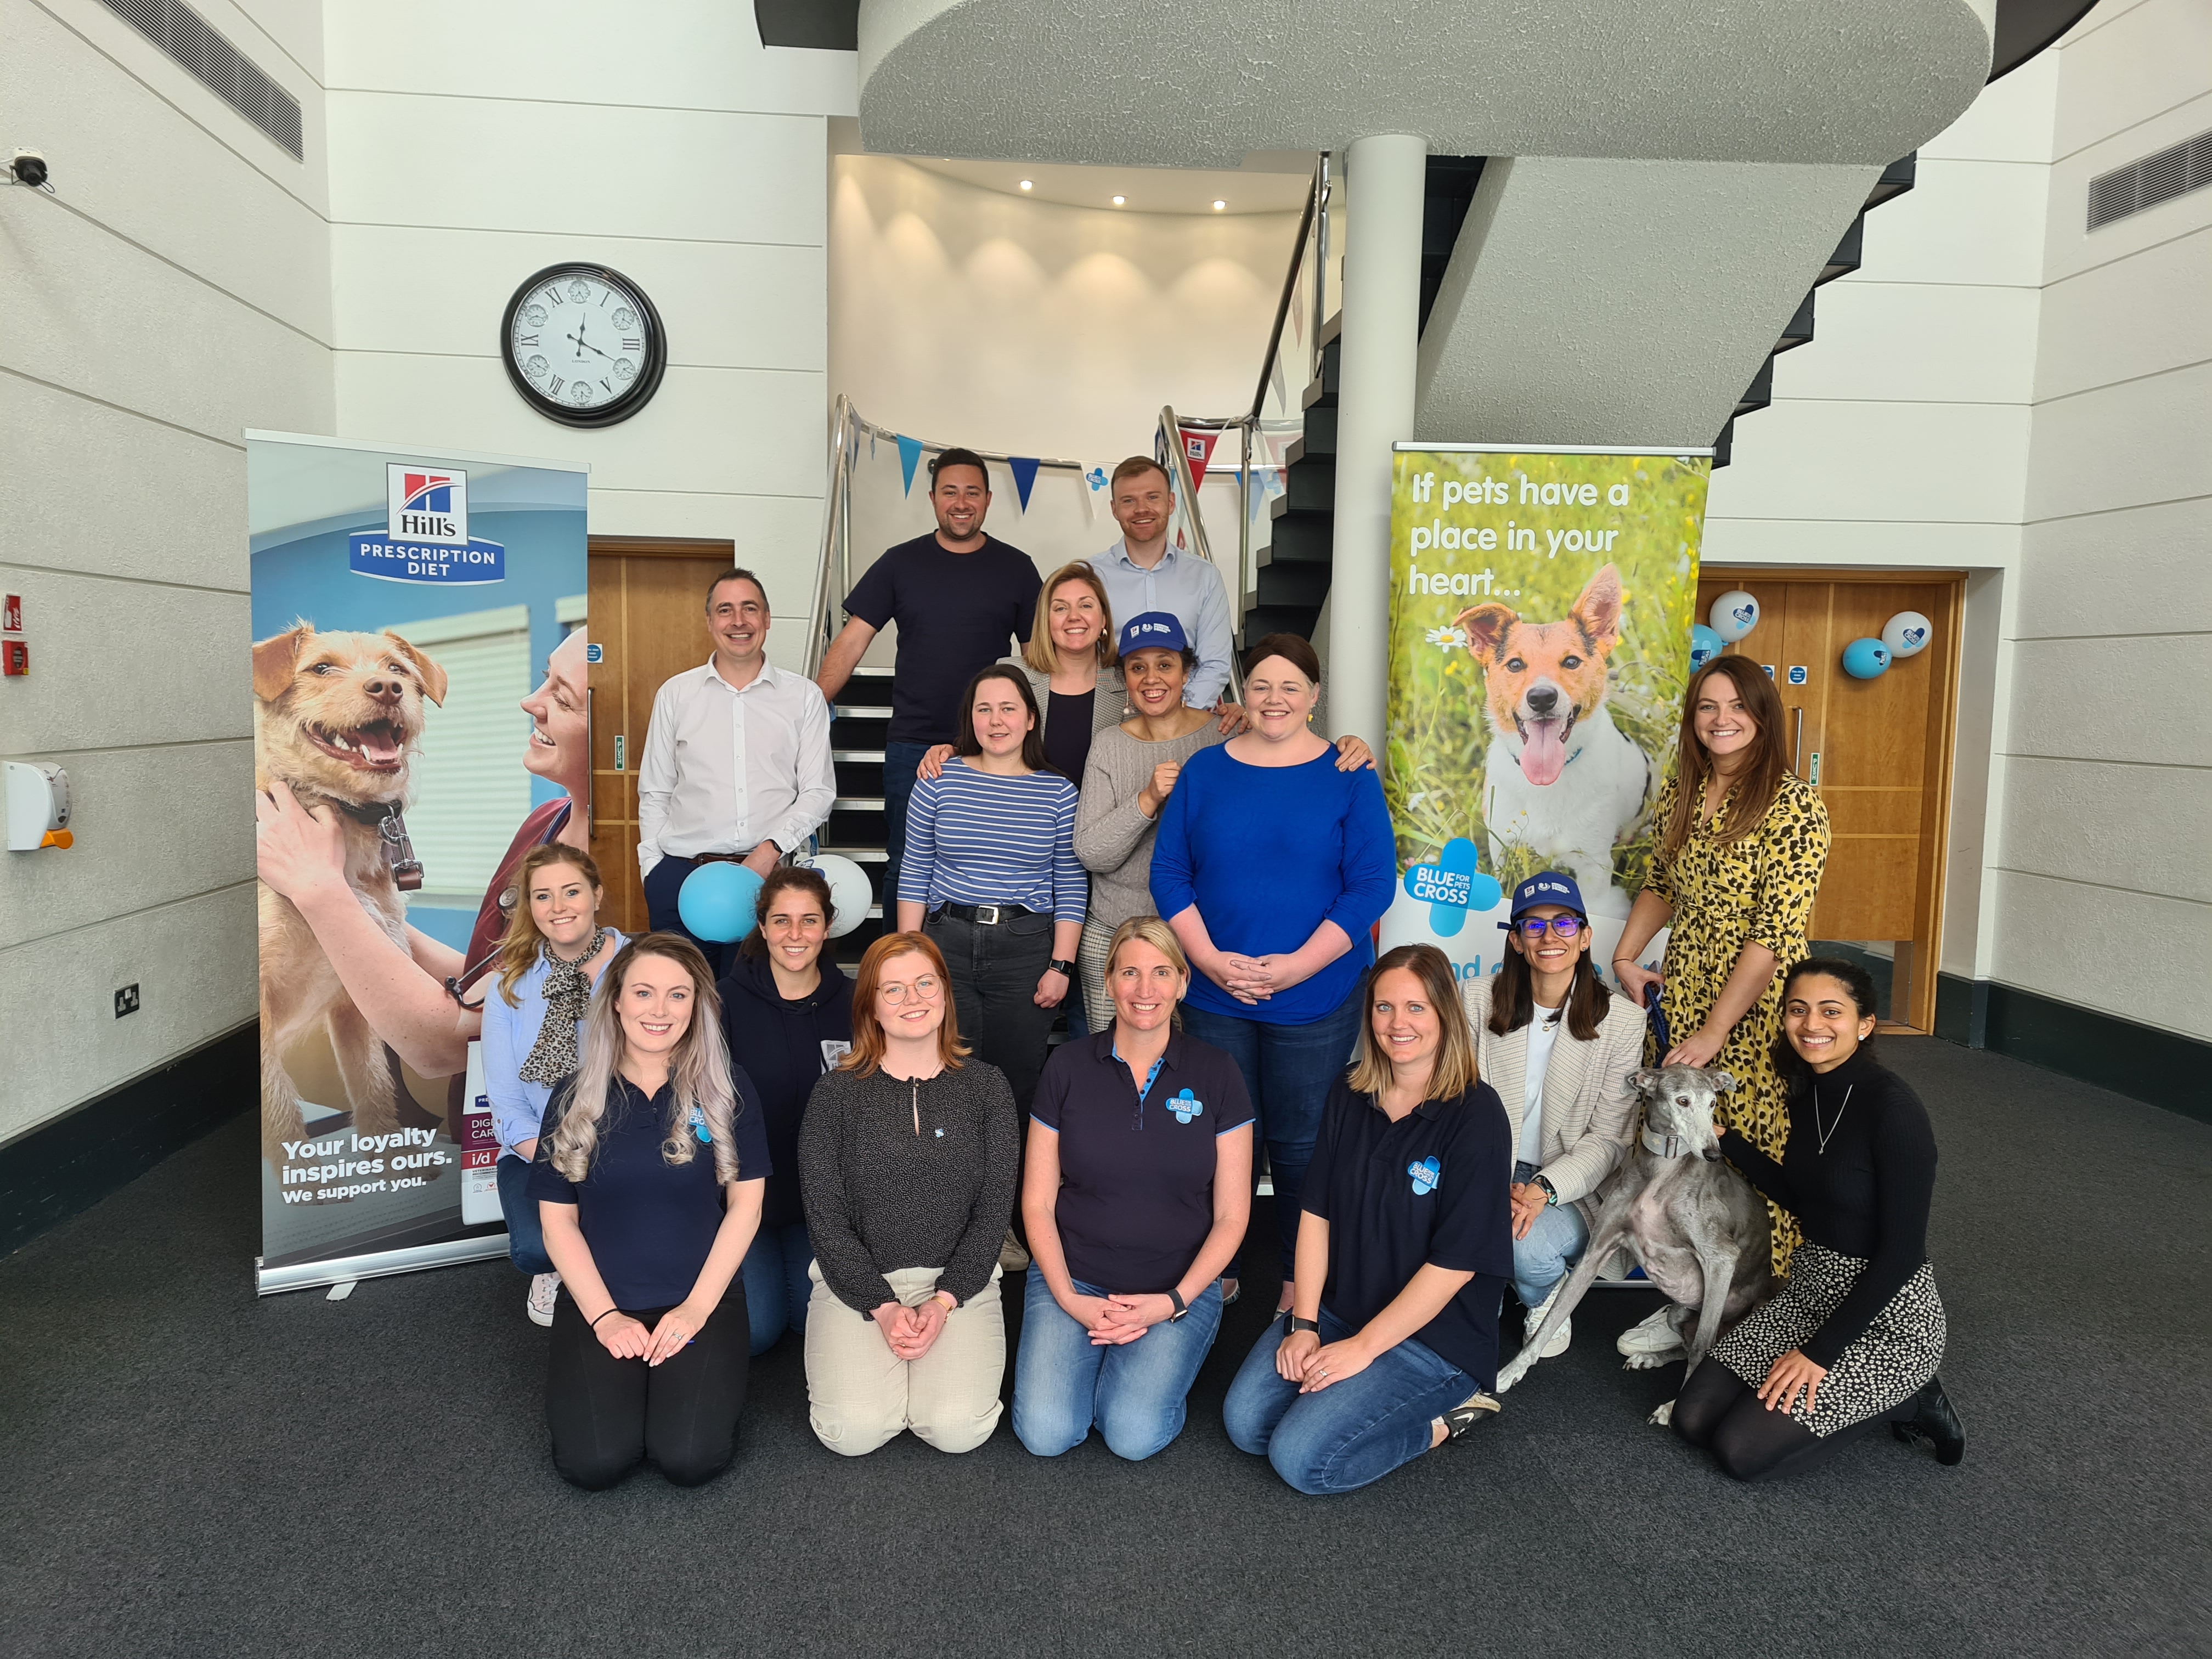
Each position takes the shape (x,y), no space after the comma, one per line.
(1739,846)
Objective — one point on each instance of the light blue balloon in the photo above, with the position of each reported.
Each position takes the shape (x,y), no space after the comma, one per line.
(1866,659)
(716,901)
(1704,646)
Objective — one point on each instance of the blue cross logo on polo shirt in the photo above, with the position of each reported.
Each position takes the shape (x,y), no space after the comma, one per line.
(1185,1106)
(699,1128)
(1425,1176)
(1452,886)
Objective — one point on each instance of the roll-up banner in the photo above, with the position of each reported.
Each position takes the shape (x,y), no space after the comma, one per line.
(420,719)
(1542,603)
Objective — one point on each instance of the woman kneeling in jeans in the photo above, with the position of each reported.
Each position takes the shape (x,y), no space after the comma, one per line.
(1404,1249)
(649,1337)
(1138,1185)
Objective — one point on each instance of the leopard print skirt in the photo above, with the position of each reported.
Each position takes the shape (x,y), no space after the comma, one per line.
(1889,1363)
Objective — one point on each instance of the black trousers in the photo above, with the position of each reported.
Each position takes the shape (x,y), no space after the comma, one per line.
(607,1415)
(1722,1413)
(994,970)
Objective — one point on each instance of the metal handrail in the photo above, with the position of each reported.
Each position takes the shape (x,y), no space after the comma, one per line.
(836,534)
(1289,287)
(1186,491)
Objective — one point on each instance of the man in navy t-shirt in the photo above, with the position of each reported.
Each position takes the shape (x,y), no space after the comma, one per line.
(961,598)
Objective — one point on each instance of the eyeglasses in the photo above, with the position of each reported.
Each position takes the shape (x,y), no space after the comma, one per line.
(1565,927)
(926,988)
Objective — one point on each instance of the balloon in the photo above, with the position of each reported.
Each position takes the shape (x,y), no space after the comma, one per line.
(850,895)
(1704,646)
(1907,634)
(1866,659)
(1733,614)
(716,901)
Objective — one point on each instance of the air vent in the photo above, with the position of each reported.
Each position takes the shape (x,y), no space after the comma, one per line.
(2174,171)
(186,39)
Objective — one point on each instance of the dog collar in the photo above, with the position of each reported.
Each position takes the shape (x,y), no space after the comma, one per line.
(1663,1145)
(385,817)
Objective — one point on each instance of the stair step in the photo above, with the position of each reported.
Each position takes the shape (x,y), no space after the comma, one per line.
(859,854)
(857,804)
(1303,537)
(1320,436)
(1288,584)
(845,711)
(857,755)
(1307,489)
(1262,620)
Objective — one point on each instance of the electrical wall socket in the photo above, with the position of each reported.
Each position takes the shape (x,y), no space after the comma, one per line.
(126,1001)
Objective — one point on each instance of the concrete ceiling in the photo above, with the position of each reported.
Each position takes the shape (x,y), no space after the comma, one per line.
(1136,81)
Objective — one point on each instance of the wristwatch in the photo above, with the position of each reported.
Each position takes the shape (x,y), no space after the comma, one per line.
(1550,1192)
(1293,1325)
(1062,965)
(1180,1306)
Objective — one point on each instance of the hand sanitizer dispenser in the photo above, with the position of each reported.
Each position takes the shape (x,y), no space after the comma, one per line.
(38,807)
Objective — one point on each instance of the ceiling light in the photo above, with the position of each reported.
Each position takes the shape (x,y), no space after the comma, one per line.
(1029,184)
(1220,206)
(1119,200)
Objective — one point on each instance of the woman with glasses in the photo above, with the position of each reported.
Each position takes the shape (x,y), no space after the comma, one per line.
(906,1160)
(1558,1047)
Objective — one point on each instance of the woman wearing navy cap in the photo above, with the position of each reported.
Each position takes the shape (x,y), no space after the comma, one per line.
(1404,1247)
(1138,1184)
(1558,1047)
(650,1165)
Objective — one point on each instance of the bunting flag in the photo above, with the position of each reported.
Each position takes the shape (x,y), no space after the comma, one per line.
(1198,450)
(1098,478)
(910,455)
(1024,469)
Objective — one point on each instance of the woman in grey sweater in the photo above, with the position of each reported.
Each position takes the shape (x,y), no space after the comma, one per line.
(1131,772)
(908,1157)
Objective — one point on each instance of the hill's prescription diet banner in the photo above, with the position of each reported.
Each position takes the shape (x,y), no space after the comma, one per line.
(1542,603)
(417,680)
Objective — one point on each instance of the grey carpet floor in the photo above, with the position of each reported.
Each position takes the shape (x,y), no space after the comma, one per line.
(185,1470)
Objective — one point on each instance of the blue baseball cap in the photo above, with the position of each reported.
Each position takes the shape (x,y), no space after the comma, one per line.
(1549,887)
(1154,631)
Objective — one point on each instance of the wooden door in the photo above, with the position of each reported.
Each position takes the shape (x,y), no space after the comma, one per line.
(1878,750)
(648,615)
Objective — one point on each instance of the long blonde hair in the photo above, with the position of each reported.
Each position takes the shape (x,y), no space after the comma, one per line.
(519,947)
(1454,1071)
(1039,653)
(698,1072)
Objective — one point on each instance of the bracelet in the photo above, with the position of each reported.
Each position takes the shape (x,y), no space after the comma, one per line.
(952,1301)
(595,1323)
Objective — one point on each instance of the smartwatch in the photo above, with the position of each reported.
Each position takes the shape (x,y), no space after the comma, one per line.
(1293,1325)
(1550,1192)
(1180,1306)
(1060,965)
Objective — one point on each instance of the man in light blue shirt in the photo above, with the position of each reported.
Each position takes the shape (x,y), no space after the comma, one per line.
(1143,572)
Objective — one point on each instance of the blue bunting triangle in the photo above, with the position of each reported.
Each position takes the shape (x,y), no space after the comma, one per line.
(909,457)
(1024,469)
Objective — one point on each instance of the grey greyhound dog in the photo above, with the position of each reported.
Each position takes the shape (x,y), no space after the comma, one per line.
(1695,1224)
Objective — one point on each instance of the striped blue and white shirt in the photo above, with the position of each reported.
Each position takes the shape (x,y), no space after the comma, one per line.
(972,838)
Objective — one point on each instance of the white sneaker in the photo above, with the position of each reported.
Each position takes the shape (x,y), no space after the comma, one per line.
(1534,1318)
(1560,1338)
(543,1288)
(1655,1335)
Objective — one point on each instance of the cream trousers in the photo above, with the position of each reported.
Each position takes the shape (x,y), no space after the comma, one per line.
(859,1393)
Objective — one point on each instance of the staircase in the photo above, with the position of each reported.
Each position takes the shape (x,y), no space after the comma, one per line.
(861,720)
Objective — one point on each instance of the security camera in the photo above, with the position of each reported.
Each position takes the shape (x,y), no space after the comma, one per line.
(29,168)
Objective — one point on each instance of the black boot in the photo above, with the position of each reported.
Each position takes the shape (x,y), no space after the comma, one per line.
(1933,1423)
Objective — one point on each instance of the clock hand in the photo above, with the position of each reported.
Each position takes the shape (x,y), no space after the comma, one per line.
(585,345)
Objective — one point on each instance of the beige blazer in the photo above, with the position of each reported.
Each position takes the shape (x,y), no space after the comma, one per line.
(1589,1110)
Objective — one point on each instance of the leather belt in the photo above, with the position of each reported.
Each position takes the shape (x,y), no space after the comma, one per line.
(719,858)
(984,915)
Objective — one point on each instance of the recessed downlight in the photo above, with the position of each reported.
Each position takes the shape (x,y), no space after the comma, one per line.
(1219,207)
(1120,201)
(1029,184)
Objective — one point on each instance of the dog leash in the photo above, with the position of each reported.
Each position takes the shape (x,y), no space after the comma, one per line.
(1658,1019)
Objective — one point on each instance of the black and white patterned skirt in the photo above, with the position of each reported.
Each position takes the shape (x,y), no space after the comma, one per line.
(1891,1361)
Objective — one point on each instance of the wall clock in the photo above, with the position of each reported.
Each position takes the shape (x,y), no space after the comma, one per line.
(583,346)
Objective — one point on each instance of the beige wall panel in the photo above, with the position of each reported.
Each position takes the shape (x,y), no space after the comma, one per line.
(2141,698)
(2052,938)
(2087,820)
(2124,445)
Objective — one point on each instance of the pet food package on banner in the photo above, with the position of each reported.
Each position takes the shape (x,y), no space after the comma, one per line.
(479,1149)
(1540,614)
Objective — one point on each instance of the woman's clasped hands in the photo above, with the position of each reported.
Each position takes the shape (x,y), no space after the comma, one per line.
(911,1331)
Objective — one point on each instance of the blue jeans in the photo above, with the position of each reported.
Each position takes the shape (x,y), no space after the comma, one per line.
(663,885)
(774,1274)
(525,1236)
(1351,1433)
(901,761)
(1135,1393)
(1288,1070)
(1555,1242)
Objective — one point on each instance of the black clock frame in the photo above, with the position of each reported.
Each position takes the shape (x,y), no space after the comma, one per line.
(633,400)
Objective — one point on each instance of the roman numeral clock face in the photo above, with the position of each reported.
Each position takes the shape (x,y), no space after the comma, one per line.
(583,346)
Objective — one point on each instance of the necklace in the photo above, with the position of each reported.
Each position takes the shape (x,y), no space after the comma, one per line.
(1826,1130)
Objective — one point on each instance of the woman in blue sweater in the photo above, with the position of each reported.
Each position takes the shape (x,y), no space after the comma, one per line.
(990,877)
(1274,867)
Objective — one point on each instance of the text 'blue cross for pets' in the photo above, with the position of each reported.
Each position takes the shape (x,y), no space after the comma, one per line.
(1453,885)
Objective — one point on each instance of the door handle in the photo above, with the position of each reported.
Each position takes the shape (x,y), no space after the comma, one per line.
(591,773)
(1798,744)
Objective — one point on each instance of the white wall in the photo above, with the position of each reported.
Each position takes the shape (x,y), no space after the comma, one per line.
(670,145)
(176,292)
(1997,391)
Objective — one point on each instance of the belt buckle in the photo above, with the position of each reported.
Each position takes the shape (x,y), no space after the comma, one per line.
(987,915)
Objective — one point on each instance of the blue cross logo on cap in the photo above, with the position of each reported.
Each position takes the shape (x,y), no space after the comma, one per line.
(1453,885)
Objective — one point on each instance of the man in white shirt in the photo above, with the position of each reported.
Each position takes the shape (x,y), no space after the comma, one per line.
(737,762)
(1143,572)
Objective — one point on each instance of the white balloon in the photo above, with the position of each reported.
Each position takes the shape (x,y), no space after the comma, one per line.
(1733,614)
(849,893)
(1907,634)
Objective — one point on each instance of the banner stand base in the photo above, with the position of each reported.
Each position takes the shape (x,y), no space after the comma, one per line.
(311,1275)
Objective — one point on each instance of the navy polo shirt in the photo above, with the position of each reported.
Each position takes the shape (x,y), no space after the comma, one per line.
(650,1223)
(1136,1175)
(1431,1188)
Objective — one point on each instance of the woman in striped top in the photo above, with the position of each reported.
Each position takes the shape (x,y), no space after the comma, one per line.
(990,877)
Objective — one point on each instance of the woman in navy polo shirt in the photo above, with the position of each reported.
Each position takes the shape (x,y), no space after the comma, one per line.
(649,1336)
(1137,1187)
(1404,1249)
